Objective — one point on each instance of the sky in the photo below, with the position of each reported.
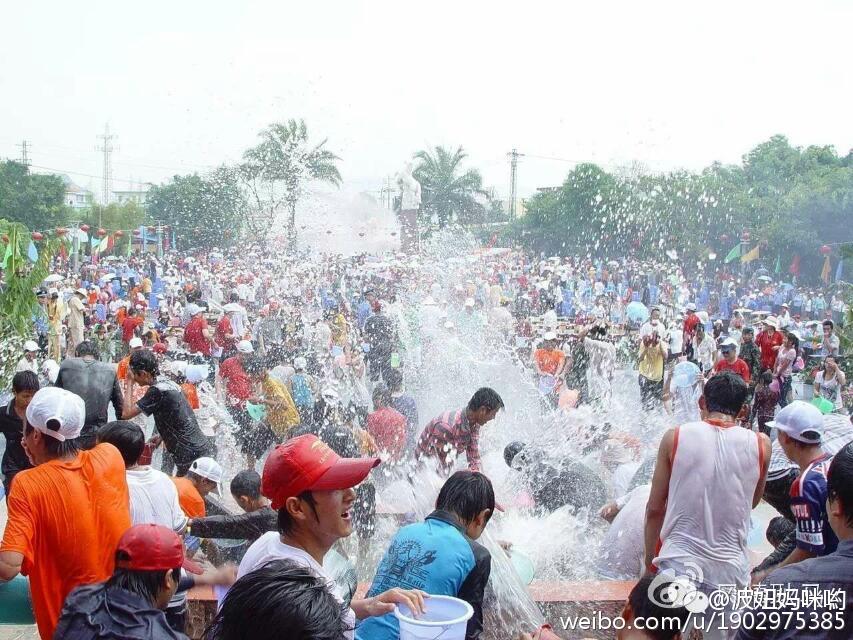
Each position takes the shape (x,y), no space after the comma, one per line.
(187,85)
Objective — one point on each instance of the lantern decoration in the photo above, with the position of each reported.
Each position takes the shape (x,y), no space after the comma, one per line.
(37,235)
(5,238)
(825,250)
(102,233)
(84,228)
(136,232)
(119,233)
(744,237)
(61,231)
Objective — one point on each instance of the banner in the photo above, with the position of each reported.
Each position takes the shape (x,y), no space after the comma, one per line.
(751,255)
(32,252)
(794,269)
(826,271)
(778,264)
(734,254)
(839,271)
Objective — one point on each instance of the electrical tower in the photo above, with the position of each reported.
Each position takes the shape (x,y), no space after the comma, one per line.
(25,153)
(513,179)
(107,148)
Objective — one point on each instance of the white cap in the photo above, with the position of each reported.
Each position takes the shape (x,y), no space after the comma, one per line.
(549,335)
(53,403)
(300,362)
(208,468)
(428,301)
(81,291)
(193,309)
(800,420)
(135,343)
(244,346)
(231,307)
(728,343)
(469,302)
(30,345)
(50,370)
(177,367)
(691,307)
(53,291)
(771,320)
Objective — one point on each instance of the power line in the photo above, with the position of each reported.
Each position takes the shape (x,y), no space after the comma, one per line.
(25,158)
(78,173)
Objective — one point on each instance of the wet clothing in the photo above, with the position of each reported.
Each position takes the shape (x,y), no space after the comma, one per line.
(406,405)
(97,384)
(14,457)
(176,423)
(98,611)
(751,355)
(437,557)
(447,435)
(766,344)
(808,502)
(83,502)
(556,483)
(738,367)
(243,526)
(387,426)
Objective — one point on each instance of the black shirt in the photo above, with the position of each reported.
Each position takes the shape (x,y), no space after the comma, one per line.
(14,458)
(96,383)
(175,421)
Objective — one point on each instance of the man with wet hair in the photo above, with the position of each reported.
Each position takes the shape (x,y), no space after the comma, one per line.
(440,555)
(709,476)
(456,431)
(12,418)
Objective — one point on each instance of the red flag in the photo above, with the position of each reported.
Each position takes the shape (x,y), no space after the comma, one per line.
(827,269)
(111,242)
(794,269)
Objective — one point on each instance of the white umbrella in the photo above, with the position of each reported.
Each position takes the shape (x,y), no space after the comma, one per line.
(54,277)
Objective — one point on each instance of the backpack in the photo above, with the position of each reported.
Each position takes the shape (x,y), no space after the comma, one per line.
(301,392)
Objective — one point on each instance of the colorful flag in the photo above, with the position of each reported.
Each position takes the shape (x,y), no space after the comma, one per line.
(794,269)
(32,252)
(8,254)
(751,255)
(734,254)
(826,271)
(779,263)
(839,270)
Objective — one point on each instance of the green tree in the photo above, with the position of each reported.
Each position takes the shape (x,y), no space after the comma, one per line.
(449,194)
(204,211)
(18,301)
(276,170)
(36,201)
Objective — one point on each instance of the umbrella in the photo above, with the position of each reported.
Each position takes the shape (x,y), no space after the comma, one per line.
(111,258)
(637,312)
(765,278)
(54,277)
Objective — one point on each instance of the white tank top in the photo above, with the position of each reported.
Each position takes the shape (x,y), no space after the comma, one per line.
(715,470)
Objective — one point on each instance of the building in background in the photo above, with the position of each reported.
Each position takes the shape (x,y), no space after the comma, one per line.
(76,196)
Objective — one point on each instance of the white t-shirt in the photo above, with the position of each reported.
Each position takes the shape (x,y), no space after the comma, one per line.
(270,547)
(621,554)
(154,499)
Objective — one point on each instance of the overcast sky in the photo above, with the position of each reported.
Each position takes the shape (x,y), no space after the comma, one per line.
(186,85)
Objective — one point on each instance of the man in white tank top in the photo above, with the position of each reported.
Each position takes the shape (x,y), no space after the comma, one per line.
(709,476)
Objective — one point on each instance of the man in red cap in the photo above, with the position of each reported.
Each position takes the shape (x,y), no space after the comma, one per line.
(148,562)
(311,487)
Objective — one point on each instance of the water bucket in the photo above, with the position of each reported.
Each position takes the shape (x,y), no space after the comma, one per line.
(523,565)
(256,411)
(445,618)
(15,604)
(825,406)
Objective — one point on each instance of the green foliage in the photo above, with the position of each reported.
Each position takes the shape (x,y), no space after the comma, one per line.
(792,200)
(275,171)
(448,194)
(36,201)
(18,301)
(204,211)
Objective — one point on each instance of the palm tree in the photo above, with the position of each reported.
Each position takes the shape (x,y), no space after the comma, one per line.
(276,170)
(448,194)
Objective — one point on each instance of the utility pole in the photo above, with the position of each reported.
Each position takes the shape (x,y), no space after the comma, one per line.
(25,153)
(513,179)
(107,147)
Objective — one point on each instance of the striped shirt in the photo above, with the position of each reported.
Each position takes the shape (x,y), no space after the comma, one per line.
(448,434)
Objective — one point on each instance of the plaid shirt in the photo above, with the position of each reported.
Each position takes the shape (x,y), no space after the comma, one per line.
(448,434)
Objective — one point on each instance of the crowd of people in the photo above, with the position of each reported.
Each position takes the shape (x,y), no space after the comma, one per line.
(293,376)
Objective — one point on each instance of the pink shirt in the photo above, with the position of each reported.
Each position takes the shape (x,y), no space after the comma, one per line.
(785,362)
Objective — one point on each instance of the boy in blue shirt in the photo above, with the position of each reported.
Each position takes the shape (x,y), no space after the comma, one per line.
(440,555)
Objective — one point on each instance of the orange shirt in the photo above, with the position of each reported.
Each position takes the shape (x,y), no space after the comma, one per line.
(189,498)
(549,361)
(121,314)
(66,519)
(123,368)
(191,395)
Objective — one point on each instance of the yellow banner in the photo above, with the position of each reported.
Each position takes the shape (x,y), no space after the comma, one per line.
(750,256)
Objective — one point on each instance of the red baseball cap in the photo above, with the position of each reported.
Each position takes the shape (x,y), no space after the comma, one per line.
(159,348)
(306,463)
(153,547)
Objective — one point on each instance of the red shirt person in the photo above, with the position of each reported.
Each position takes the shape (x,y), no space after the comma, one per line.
(129,325)
(769,341)
(730,361)
(238,386)
(197,335)
(386,425)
